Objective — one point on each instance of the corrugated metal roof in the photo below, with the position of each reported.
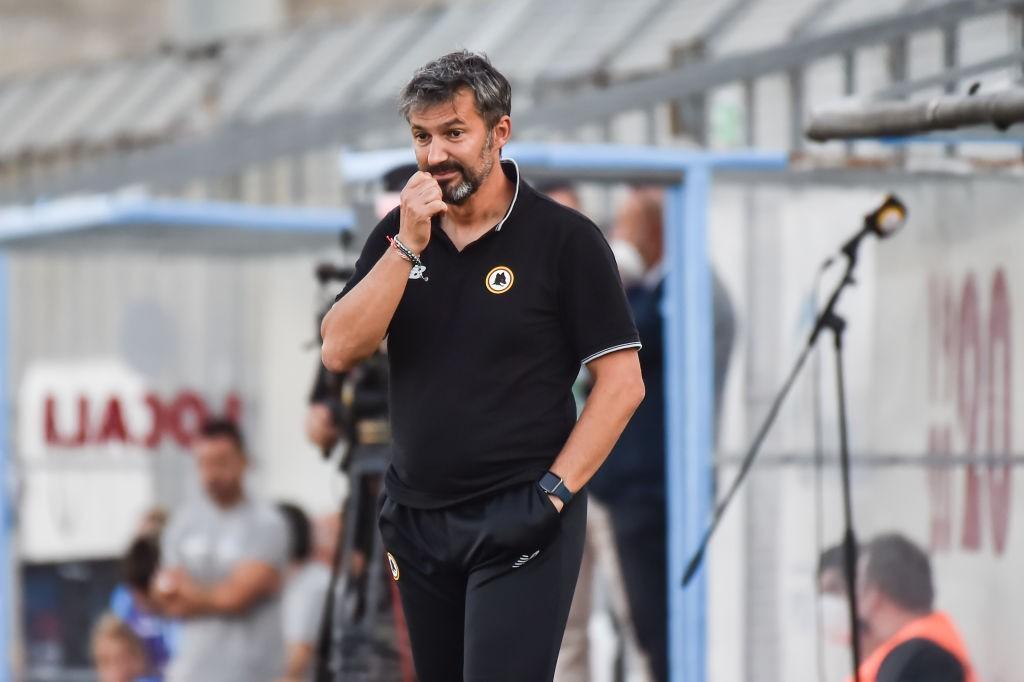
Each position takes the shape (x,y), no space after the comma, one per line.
(605,26)
(14,95)
(452,30)
(151,78)
(541,32)
(392,36)
(328,55)
(762,24)
(50,95)
(321,68)
(678,23)
(175,107)
(848,12)
(91,102)
(264,64)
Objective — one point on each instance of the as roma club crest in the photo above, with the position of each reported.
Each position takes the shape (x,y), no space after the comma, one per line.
(499,280)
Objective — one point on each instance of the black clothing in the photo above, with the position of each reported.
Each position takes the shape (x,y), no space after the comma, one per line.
(484,354)
(486,585)
(920,660)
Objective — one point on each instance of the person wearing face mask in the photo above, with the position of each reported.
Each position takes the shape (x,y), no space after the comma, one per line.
(906,639)
(835,617)
(632,482)
(833,614)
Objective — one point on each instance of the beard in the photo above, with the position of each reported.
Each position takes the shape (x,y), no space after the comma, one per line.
(458,193)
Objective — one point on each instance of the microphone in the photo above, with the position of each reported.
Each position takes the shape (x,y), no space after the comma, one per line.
(883,222)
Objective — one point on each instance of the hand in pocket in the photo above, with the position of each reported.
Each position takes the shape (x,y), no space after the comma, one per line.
(520,520)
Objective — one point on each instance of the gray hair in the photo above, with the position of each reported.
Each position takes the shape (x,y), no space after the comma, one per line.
(439,81)
(900,570)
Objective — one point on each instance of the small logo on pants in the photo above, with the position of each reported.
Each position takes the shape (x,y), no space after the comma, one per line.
(524,558)
(393,565)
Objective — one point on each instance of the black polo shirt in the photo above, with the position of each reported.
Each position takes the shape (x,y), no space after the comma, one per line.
(484,354)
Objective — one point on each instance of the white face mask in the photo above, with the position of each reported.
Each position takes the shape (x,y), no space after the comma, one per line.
(629,260)
(835,619)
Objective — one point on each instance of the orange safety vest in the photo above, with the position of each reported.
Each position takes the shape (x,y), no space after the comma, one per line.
(935,627)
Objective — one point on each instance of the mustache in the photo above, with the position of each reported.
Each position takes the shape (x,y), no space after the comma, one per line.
(444,168)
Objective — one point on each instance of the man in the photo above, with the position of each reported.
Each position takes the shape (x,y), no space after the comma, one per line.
(223,556)
(632,486)
(908,640)
(833,613)
(491,298)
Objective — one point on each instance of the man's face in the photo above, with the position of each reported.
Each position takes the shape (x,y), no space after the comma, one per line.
(832,581)
(638,221)
(221,467)
(454,144)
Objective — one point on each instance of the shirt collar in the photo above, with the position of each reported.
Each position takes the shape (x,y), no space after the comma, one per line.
(509,167)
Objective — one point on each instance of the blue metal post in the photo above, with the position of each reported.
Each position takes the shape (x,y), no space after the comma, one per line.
(6,557)
(690,400)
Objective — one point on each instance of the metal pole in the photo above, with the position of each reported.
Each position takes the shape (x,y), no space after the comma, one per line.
(849,537)
(6,558)
(689,404)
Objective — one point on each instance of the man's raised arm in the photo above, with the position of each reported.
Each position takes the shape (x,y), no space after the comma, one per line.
(356,324)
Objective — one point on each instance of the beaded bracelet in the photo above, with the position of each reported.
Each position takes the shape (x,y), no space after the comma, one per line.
(408,255)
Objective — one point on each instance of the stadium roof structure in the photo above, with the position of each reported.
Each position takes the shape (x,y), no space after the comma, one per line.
(740,73)
(544,47)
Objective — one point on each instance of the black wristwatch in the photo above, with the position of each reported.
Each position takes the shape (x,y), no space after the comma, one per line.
(553,485)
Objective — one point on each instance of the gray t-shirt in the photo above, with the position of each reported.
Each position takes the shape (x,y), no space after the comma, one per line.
(303,604)
(304,596)
(209,542)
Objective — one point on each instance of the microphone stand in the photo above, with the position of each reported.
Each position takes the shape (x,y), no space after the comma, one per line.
(829,320)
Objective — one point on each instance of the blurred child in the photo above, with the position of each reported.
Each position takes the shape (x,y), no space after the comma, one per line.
(117,652)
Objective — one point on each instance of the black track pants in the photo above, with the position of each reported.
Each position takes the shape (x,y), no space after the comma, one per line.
(486,585)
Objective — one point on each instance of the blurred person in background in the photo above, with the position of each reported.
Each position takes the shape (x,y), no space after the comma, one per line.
(133,602)
(223,557)
(600,564)
(491,297)
(305,589)
(632,482)
(119,655)
(831,573)
(906,639)
(833,613)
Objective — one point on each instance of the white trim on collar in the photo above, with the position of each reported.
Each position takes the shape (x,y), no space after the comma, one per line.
(514,196)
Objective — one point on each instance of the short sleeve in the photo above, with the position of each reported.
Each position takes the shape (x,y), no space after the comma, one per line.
(594,305)
(375,246)
(170,542)
(269,541)
(303,604)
